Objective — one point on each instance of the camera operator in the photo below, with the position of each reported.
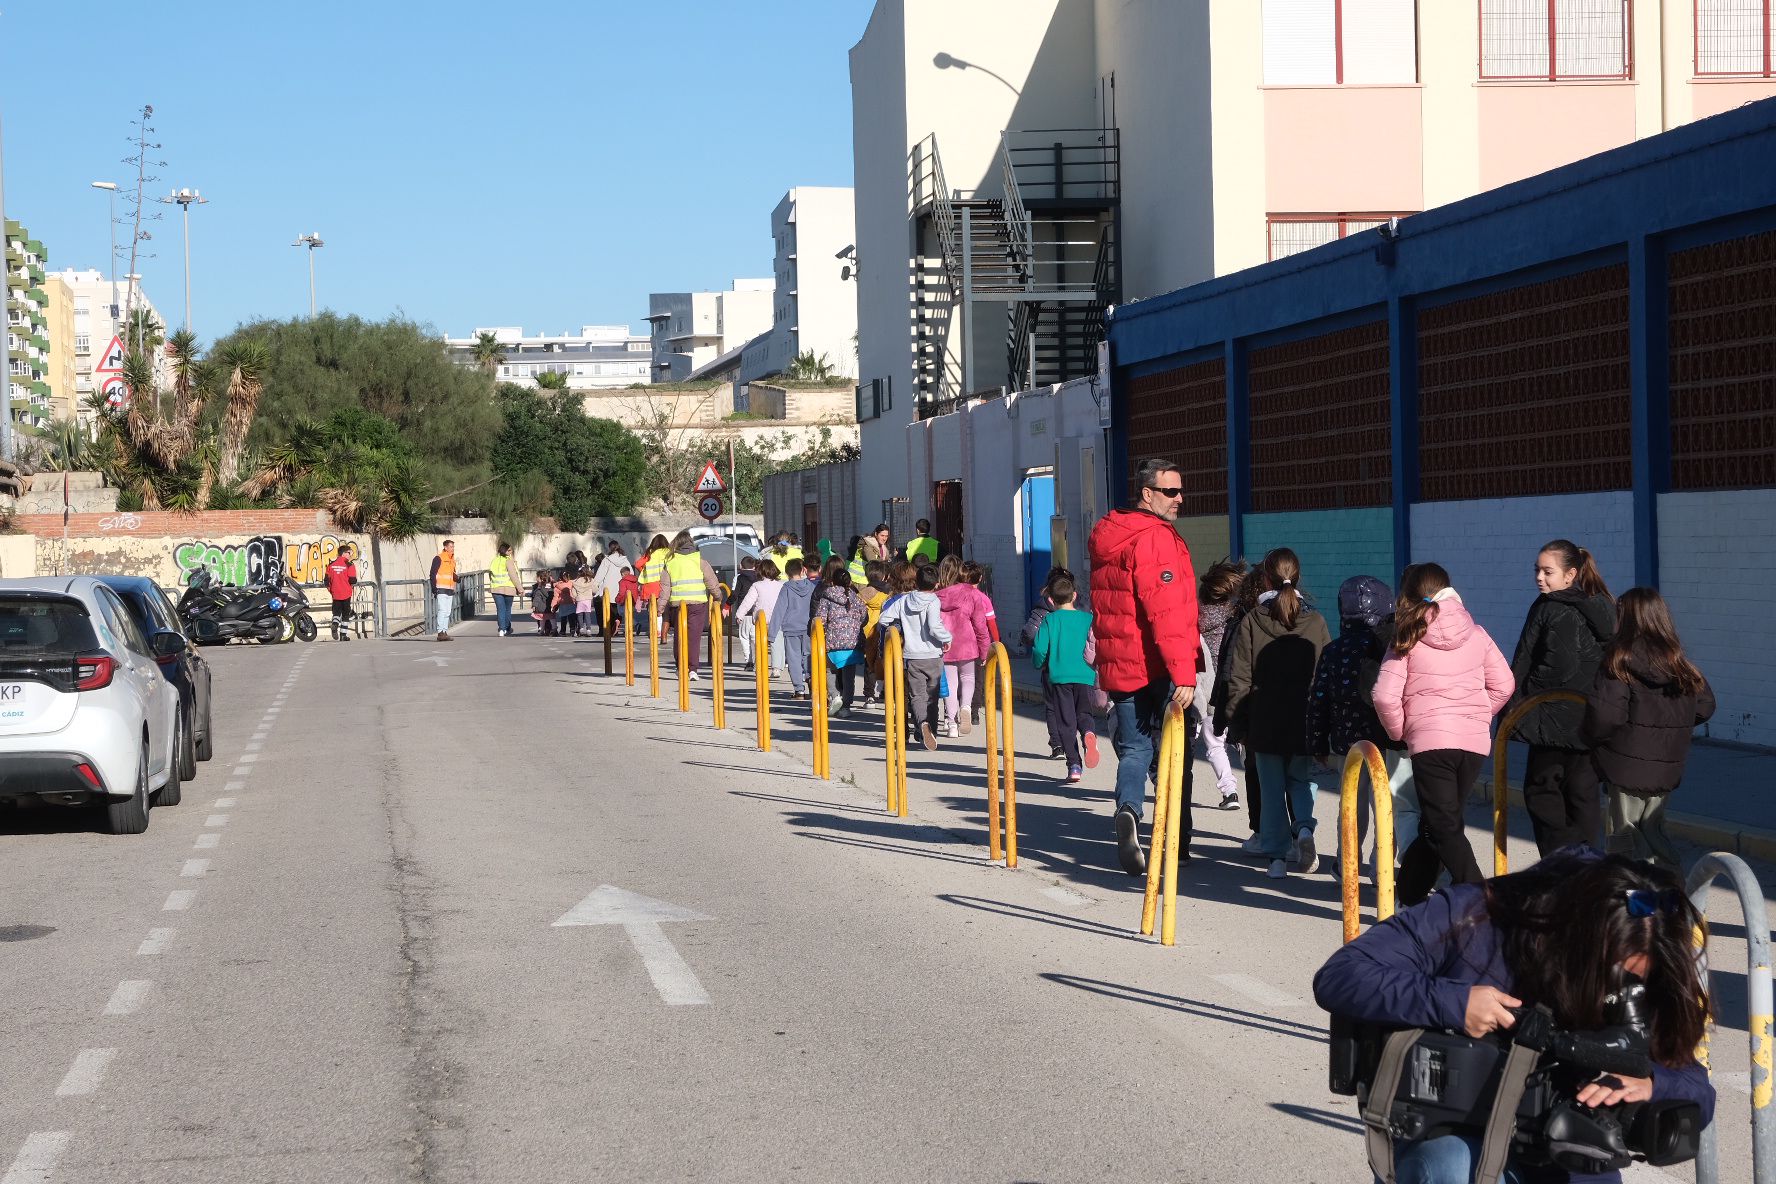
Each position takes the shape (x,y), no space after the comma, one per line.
(1562,933)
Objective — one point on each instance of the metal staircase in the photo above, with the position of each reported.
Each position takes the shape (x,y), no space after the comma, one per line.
(1042,245)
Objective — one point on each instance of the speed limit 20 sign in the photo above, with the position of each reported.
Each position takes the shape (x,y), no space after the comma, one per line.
(710,506)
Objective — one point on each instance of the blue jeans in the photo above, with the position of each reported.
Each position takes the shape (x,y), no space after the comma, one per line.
(1446,1159)
(502,607)
(444,603)
(1296,776)
(1137,719)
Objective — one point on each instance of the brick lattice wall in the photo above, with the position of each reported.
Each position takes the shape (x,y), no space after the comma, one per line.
(1322,434)
(1524,392)
(1181,415)
(1722,340)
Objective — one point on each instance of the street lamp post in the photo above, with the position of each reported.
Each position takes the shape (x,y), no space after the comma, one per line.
(185,199)
(111,188)
(6,446)
(313,242)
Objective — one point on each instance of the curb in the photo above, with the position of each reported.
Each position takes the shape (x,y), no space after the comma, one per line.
(1750,842)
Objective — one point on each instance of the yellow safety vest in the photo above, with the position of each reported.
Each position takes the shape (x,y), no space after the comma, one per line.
(858,578)
(685,573)
(499,576)
(923,546)
(655,566)
(446,570)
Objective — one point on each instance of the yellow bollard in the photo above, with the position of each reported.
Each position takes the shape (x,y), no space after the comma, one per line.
(1165,829)
(683,648)
(605,611)
(894,711)
(1501,790)
(819,723)
(718,684)
(1001,755)
(1365,757)
(653,651)
(761,663)
(629,641)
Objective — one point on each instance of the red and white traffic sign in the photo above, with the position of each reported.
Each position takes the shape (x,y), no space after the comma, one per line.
(115,390)
(710,481)
(710,506)
(111,361)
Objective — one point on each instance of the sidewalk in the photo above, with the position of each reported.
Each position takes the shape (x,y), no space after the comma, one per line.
(1726,803)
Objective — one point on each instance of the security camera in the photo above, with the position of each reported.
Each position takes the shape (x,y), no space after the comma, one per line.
(1390,229)
(846,252)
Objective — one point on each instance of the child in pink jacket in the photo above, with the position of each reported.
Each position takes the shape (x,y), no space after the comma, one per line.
(1440,685)
(966,619)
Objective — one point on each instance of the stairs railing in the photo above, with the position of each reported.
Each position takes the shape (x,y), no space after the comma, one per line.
(1017,218)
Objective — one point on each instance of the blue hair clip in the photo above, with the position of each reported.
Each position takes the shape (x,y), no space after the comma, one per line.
(1430,600)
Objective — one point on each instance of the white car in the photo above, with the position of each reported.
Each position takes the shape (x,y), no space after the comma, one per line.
(86,717)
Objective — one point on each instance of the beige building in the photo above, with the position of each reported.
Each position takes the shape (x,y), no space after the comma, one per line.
(1250,130)
(97,316)
(689,330)
(814,305)
(64,399)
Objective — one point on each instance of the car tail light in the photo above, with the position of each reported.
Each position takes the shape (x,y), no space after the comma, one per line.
(93,671)
(90,774)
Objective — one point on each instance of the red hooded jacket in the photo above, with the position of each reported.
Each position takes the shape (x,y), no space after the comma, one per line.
(1143,600)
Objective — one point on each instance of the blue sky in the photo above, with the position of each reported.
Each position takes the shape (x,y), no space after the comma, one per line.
(537,162)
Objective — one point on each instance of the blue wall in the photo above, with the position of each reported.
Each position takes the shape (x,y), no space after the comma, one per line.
(1333,545)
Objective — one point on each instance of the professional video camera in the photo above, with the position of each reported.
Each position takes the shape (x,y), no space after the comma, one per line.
(1447,1083)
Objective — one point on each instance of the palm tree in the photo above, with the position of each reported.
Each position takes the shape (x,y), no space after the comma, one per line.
(552,380)
(808,368)
(246,362)
(159,452)
(489,353)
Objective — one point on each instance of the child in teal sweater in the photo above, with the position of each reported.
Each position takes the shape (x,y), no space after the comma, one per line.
(1064,652)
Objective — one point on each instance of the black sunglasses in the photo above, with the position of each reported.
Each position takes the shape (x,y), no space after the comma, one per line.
(1644,902)
(1174,491)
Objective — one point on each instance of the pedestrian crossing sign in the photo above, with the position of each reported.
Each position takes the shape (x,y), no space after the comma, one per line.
(710,481)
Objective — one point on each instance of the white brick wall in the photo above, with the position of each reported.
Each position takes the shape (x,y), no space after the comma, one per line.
(1489,548)
(1717,568)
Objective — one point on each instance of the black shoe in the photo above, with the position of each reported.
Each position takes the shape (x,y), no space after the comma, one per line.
(1056,753)
(1128,842)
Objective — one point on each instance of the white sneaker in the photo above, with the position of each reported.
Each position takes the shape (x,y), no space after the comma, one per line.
(950,728)
(695,677)
(1278,869)
(1253,846)
(1307,860)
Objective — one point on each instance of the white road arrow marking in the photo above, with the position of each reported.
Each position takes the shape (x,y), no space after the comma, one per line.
(641,917)
(435,659)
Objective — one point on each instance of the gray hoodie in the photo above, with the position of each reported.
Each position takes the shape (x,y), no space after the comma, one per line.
(920,618)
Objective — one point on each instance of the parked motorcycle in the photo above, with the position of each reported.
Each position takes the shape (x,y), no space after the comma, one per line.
(215,615)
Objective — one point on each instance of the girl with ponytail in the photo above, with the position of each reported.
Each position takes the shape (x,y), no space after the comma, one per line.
(1270,676)
(1564,638)
(1439,687)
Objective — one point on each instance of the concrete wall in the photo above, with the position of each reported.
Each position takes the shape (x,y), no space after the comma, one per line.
(832,489)
(1333,545)
(642,407)
(1489,548)
(798,405)
(1208,538)
(1720,580)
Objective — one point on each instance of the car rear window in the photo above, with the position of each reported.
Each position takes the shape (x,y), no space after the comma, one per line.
(38,627)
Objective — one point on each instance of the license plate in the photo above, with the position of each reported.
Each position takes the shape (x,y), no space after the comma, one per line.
(14,702)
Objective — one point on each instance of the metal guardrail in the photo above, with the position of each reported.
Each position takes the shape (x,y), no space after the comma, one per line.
(1759,1007)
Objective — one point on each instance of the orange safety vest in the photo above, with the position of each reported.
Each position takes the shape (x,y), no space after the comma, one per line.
(446,570)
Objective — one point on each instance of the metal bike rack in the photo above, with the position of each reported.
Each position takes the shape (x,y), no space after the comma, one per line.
(1365,757)
(1708,869)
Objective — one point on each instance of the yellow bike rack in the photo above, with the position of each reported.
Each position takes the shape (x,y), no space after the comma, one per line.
(653,652)
(761,664)
(817,687)
(718,673)
(1168,810)
(894,720)
(1001,756)
(629,641)
(1501,789)
(682,648)
(1365,757)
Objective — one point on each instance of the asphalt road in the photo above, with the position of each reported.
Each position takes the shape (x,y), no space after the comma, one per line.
(472,911)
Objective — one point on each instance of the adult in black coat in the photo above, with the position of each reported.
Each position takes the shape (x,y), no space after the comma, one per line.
(1563,641)
(1645,703)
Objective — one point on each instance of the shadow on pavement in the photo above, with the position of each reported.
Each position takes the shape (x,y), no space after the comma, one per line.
(1059,920)
(771,797)
(1191,1007)
(1341,1122)
(892,848)
(799,776)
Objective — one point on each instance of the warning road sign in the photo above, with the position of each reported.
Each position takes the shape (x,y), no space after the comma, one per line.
(710,481)
(710,506)
(111,361)
(115,390)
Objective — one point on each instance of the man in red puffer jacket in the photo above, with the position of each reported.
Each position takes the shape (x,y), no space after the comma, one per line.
(1144,622)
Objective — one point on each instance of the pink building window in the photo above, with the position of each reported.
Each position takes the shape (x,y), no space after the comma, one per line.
(1340,42)
(1290,234)
(1553,40)
(1733,37)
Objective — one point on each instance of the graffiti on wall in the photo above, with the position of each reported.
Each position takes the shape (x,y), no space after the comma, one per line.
(263,560)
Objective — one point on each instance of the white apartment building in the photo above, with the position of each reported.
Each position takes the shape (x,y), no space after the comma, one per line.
(1251,129)
(692,329)
(814,308)
(598,357)
(98,317)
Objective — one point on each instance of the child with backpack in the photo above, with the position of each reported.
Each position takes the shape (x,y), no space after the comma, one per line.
(1645,702)
(1064,652)
(1342,710)
(965,616)
(919,617)
(541,594)
(789,624)
(1438,689)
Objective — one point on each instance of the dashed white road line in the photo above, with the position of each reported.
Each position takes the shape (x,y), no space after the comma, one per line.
(1257,990)
(234,787)
(37,1158)
(178,902)
(205,841)
(249,758)
(240,771)
(195,867)
(217,819)
(253,746)
(129,996)
(225,803)
(87,1073)
(156,941)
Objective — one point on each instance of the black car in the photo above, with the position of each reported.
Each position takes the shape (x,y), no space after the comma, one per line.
(186,669)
